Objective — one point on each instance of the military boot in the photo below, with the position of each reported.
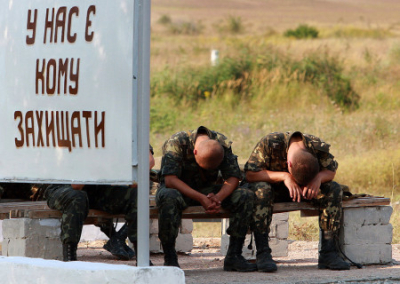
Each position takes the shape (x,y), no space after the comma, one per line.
(170,256)
(69,251)
(234,261)
(118,248)
(265,263)
(328,255)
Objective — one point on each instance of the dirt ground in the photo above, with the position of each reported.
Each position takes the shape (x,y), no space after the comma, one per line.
(205,265)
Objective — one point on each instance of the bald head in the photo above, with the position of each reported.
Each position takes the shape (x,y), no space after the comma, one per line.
(209,154)
(304,167)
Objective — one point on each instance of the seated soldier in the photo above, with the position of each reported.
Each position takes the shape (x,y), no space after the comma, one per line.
(74,201)
(293,166)
(190,166)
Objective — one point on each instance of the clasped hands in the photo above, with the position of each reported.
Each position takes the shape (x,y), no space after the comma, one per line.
(211,203)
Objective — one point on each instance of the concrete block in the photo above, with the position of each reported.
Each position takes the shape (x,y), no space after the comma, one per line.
(153,226)
(355,234)
(15,228)
(282,230)
(369,254)
(366,216)
(186,226)
(279,247)
(47,248)
(32,238)
(280,217)
(155,244)
(184,243)
(22,270)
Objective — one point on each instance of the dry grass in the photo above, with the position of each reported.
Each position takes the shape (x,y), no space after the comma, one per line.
(365,36)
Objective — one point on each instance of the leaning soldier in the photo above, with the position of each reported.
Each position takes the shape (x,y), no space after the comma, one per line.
(190,167)
(293,166)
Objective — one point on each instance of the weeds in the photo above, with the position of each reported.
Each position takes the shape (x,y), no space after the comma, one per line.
(302,32)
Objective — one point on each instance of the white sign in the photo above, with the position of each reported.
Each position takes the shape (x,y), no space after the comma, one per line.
(66,83)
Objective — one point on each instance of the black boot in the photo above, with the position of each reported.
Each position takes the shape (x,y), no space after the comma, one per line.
(234,261)
(116,245)
(170,256)
(265,263)
(328,255)
(69,251)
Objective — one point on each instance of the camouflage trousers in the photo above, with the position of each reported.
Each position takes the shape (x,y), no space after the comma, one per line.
(329,201)
(75,205)
(171,203)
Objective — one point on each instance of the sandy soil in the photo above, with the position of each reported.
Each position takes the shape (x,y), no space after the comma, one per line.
(205,265)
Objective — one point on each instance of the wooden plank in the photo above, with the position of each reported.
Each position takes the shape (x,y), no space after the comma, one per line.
(40,210)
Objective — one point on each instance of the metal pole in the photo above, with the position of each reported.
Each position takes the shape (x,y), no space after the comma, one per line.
(143,253)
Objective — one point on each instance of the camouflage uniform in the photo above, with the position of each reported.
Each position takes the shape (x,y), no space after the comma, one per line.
(75,205)
(178,159)
(271,154)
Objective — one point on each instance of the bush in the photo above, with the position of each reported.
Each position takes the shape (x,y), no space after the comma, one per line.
(302,31)
(327,73)
(186,28)
(196,84)
(231,25)
(165,20)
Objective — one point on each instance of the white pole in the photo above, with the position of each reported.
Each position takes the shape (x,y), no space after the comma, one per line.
(214,57)
(143,253)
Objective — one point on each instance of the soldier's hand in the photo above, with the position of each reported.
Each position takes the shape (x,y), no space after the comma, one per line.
(311,190)
(216,201)
(77,186)
(294,189)
(210,206)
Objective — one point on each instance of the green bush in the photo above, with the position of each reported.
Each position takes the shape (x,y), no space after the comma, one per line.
(186,28)
(165,20)
(238,75)
(231,24)
(196,84)
(302,31)
(327,73)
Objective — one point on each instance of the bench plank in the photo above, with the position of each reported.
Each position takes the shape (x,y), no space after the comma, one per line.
(40,210)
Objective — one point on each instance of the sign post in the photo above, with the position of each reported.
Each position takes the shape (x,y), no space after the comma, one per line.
(74,95)
(66,91)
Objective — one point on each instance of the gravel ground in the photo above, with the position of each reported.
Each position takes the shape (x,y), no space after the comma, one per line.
(205,265)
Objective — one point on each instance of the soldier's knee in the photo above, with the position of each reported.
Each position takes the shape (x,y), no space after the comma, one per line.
(168,196)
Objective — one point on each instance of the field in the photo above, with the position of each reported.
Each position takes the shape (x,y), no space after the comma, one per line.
(274,74)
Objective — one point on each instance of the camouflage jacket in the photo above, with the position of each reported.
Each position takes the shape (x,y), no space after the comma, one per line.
(178,159)
(271,152)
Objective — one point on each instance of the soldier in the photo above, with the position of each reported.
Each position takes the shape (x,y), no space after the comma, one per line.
(293,166)
(190,168)
(74,201)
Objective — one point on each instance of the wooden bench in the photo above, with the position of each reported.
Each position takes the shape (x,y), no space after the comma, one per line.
(30,216)
(40,210)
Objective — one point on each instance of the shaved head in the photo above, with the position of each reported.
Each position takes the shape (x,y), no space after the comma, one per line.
(304,167)
(209,154)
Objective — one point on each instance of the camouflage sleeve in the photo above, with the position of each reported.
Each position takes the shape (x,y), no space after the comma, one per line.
(171,163)
(229,166)
(326,160)
(151,150)
(259,157)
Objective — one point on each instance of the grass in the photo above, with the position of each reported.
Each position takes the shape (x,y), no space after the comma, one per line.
(342,86)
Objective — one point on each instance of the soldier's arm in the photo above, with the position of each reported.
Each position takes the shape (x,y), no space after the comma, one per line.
(228,187)
(312,189)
